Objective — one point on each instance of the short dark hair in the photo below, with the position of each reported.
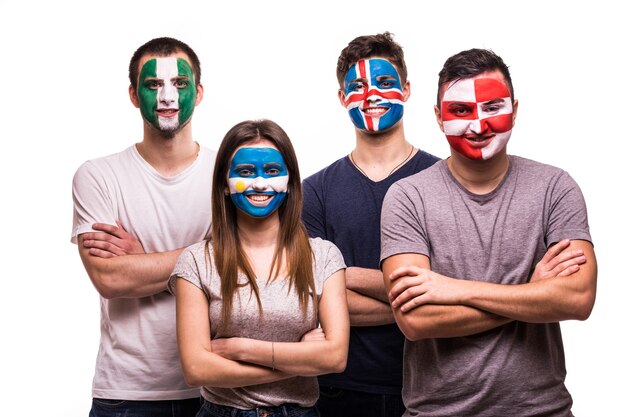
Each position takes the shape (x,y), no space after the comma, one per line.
(470,63)
(381,45)
(162,47)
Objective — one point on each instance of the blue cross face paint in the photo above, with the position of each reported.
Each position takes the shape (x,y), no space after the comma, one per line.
(373,95)
(258,180)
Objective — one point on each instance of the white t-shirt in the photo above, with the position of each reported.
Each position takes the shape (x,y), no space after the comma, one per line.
(138,356)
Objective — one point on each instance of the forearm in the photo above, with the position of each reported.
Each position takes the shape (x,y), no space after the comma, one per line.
(130,275)
(211,370)
(437,321)
(366,281)
(293,358)
(366,311)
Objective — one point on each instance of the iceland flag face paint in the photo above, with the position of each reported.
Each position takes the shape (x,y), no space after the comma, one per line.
(373,95)
(258,180)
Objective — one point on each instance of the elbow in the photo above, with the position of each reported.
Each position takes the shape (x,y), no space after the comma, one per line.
(106,286)
(584,307)
(411,330)
(192,376)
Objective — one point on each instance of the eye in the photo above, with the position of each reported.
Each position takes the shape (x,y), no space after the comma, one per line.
(152,84)
(181,83)
(492,108)
(386,84)
(460,110)
(272,171)
(244,172)
(356,86)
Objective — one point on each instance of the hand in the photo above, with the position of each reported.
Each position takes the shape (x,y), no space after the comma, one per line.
(110,241)
(416,286)
(226,347)
(315,335)
(557,262)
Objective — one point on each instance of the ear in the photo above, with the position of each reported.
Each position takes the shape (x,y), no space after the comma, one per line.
(199,93)
(342,97)
(438,117)
(514,114)
(133,96)
(406,91)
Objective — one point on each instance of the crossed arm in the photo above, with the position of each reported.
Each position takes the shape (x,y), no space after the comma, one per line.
(237,362)
(368,302)
(118,265)
(431,305)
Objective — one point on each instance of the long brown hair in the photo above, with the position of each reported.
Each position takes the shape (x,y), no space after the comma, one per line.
(293,238)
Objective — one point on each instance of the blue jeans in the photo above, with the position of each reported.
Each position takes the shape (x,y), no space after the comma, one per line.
(286,410)
(101,407)
(337,402)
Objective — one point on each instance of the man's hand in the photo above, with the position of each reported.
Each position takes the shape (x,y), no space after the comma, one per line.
(413,286)
(558,262)
(110,241)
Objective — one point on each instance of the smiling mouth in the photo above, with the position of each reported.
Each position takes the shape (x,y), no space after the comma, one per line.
(479,139)
(259,198)
(167,112)
(375,111)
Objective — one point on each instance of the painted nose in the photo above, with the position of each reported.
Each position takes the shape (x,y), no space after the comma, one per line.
(477,128)
(168,94)
(260,184)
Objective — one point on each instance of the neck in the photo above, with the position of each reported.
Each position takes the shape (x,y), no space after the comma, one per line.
(257,232)
(379,155)
(169,156)
(479,177)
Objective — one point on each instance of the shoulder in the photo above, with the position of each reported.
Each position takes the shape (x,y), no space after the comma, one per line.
(321,176)
(324,249)
(104,163)
(435,172)
(539,173)
(426,159)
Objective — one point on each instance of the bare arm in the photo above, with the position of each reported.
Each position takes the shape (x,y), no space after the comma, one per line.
(201,366)
(368,301)
(305,358)
(563,297)
(121,275)
(427,321)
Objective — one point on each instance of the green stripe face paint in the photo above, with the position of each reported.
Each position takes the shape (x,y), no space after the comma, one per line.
(167,93)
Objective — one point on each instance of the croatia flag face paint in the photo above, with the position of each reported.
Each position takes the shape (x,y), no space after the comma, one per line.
(167,93)
(477,116)
(258,180)
(373,95)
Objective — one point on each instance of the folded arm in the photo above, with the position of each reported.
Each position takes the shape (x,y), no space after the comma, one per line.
(202,366)
(117,265)
(312,357)
(368,302)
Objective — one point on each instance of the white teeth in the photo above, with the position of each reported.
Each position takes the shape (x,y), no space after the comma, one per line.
(375,111)
(258,197)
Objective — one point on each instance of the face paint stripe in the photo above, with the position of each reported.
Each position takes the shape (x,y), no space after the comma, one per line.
(148,97)
(488,88)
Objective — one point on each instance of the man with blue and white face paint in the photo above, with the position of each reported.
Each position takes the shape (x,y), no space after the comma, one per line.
(133,215)
(342,203)
(258,180)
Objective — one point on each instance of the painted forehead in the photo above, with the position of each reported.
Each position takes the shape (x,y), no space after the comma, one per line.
(476,90)
(257,156)
(166,68)
(371,69)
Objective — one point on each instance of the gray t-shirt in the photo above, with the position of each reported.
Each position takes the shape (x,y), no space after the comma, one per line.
(517,369)
(283,321)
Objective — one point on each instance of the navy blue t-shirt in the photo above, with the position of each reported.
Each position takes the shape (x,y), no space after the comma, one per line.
(343,205)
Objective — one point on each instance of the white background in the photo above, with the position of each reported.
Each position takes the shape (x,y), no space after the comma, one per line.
(64,100)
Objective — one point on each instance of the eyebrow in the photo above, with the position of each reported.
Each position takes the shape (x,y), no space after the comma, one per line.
(494,101)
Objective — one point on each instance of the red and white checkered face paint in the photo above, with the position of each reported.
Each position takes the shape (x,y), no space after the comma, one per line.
(477,115)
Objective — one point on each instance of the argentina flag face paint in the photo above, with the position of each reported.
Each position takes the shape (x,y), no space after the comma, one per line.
(258,180)
(373,94)
(167,93)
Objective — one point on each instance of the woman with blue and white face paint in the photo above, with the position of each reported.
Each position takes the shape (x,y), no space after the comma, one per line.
(259,304)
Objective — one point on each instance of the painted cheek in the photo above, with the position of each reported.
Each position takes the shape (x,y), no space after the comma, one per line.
(498,124)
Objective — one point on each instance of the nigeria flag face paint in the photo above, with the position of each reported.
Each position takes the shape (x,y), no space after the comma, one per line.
(258,180)
(373,94)
(167,93)
(477,116)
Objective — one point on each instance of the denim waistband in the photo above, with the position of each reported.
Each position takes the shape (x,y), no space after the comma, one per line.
(285,410)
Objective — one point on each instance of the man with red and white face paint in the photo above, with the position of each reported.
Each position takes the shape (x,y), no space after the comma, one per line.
(477,115)
(459,248)
(133,215)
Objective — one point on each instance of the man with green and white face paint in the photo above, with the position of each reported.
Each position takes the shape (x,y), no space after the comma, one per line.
(133,215)
(167,93)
